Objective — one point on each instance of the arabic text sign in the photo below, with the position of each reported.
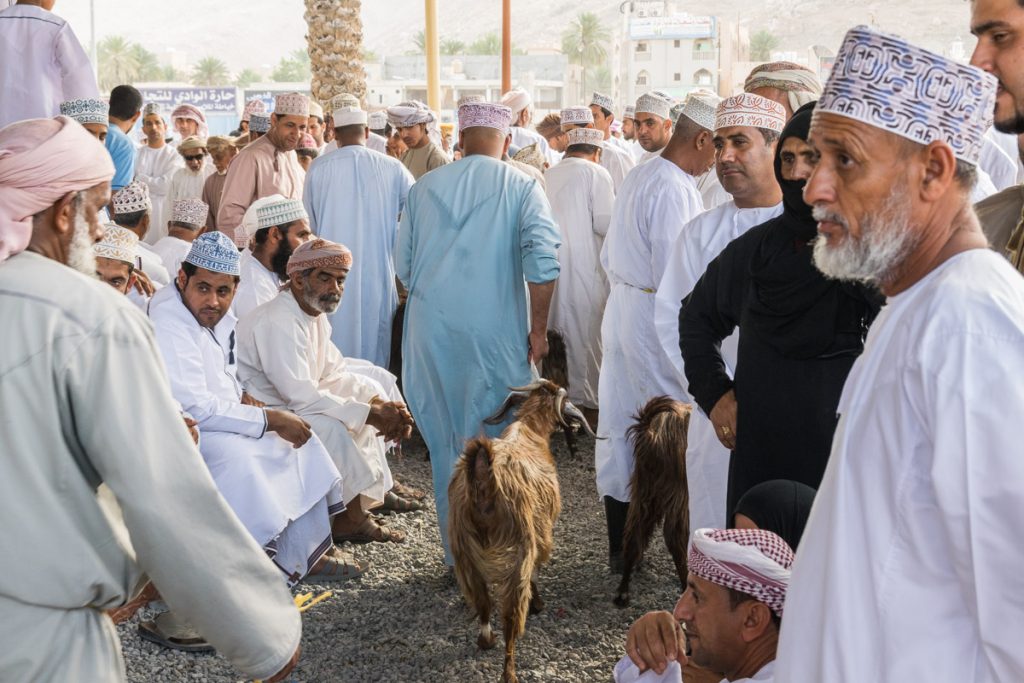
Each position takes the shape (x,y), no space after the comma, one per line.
(210,100)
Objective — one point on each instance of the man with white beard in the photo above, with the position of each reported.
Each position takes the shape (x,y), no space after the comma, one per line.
(657,199)
(81,352)
(909,568)
(747,129)
(187,182)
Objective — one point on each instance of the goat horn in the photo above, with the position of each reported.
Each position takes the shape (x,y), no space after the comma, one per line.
(575,413)
(536,384)
(560,406)
(510,400)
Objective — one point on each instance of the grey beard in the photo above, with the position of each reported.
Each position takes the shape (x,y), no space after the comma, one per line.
(314,302)
(876,256)
(80,253)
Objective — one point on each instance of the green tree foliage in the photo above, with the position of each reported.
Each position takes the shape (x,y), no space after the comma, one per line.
(118,62)
(761,45)
(210,71)
(149,68)
(487,44)
(293,68)
(246,77)
(452,46)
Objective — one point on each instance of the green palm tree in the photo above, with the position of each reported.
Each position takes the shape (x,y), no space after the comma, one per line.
(118,62)
(246,77)
(210,71)
(487,44)
(419,42)
(148,65)
(585,42)
(452,46)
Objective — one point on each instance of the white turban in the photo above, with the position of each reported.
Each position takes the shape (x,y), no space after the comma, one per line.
(516,100)
(798,82)
(411,113)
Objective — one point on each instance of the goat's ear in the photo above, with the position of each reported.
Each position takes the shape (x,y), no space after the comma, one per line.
(511,401)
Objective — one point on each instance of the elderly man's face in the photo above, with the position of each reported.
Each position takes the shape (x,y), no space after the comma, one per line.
(414,136)
(713,626)
(117,274)
(775,95)
(797,159)
(286,131)
(999,26)
(186,127)
(859,191)
(207,295)
(154,128)
(652,132)
(195,159)
(322,288)
(222,156)
(743,160)
(97,130)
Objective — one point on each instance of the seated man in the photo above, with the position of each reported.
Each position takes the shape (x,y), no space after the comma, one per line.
(271,469)
(287,359)
(731,612)
(274,226)
(115,257)
(188,220)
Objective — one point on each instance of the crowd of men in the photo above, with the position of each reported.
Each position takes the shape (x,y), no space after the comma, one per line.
(189,399)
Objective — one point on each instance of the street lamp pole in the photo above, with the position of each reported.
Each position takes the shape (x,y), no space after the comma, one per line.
(432,46)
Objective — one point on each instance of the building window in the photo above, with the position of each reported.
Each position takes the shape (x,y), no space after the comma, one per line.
(642,78)
(676,43)
(702,77)
(677,77)
(641,47)
(703,50)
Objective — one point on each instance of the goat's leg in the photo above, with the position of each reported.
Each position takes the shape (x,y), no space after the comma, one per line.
(677,534)
(536,602)
(474,587)
(570,441)
(640,525)
(515,603)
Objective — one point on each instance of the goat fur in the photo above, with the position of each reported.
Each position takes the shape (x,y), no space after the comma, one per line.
(658,488)
(503,503)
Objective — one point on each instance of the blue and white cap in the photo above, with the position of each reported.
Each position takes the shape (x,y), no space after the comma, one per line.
(86,111)
(259,122)
(214,251)
(885,82)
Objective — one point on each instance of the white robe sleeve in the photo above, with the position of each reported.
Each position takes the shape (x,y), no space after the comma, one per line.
(403,248)
(978,476)
(185,536)
(335,394)
(184,361)
(602,203)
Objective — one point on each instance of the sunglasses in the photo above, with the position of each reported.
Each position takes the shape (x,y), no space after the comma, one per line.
(194,157)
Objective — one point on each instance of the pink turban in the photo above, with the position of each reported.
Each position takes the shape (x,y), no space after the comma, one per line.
(189,111)
(41,160)
(319,254)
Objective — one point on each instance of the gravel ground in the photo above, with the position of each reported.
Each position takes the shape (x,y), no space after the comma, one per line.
(405,620)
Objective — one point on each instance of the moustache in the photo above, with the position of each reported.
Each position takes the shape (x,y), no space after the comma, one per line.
(823,215)
(330,298)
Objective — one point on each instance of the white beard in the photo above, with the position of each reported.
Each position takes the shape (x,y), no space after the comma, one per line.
(314,302)
(886,240)
(80,253)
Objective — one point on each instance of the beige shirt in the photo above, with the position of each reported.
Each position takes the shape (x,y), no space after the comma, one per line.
(424,159)
(86,402)
(259,170)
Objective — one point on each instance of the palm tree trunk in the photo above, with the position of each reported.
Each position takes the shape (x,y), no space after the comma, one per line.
(335,40)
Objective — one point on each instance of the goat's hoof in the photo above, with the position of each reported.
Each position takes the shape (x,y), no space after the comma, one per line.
(536,604)
(485,641)
(621,600)
(509,677)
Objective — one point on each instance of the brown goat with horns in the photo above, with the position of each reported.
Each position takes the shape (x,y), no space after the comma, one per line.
(659,489)
(503,502)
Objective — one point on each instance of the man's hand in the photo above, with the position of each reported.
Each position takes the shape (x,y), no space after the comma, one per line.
(391,419)
(654,640)
(193,430)
(538,341)
(248,400)
(280,675)
(143,285)
(289,427)
(723,417)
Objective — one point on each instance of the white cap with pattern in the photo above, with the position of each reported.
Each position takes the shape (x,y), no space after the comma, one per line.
(750,110)
(603,101)
(291,104)
(132,198)
(576,115)
(586,136)
(119,244)
(86,111)
(654,102)
(701,107)
(280,212)
(190,211)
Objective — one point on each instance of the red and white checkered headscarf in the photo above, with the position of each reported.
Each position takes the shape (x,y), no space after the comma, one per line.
(752,561)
